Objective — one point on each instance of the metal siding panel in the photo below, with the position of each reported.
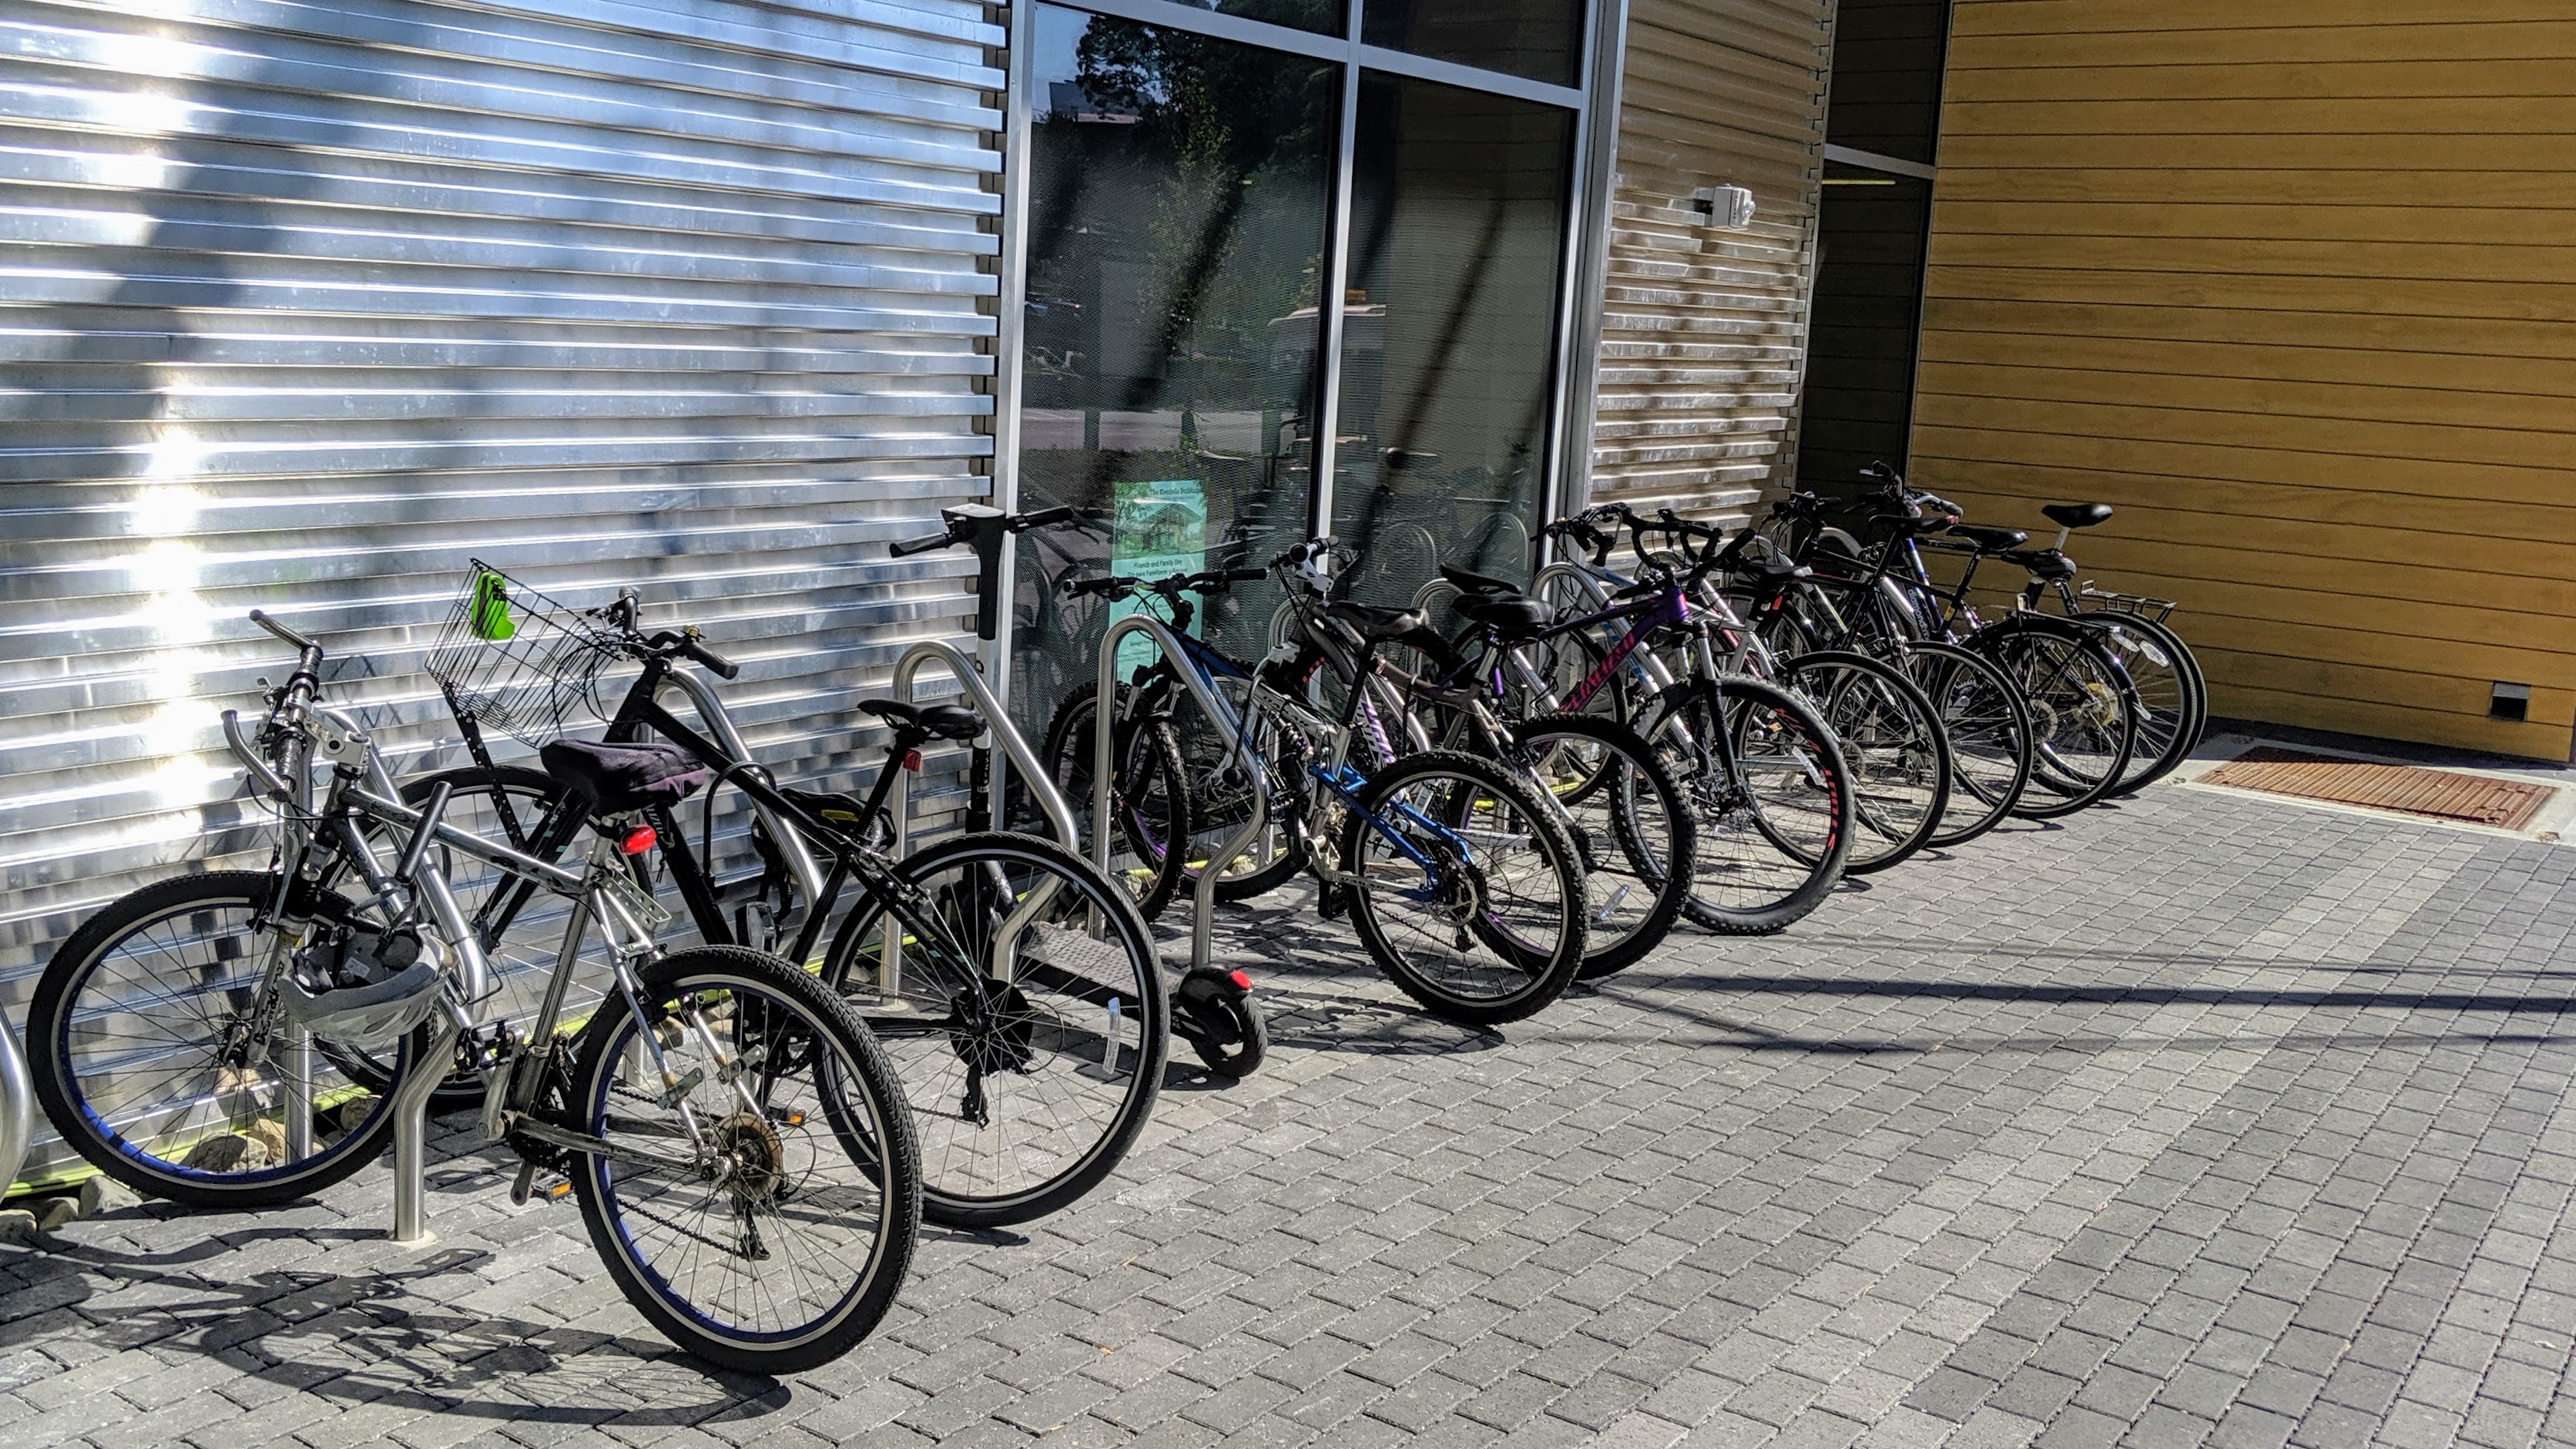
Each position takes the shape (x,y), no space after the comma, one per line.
(1704,330)
(302,305)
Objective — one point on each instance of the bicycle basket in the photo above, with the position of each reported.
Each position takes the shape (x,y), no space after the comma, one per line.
(2153,610)
(510,658)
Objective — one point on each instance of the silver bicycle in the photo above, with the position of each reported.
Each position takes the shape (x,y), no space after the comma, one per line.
(738,1147)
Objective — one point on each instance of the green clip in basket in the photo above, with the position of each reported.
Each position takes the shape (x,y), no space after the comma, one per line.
(488,611)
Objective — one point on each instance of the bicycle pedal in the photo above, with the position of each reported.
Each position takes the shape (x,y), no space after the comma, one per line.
(1333,904)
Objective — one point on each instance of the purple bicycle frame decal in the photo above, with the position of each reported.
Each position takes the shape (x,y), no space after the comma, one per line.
(1669,608)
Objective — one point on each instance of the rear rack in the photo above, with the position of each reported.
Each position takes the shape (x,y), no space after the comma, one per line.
(2153,610)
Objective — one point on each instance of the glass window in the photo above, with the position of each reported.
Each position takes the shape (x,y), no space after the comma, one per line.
(1540,39)
(1324,17)
(1177,193)
(1457,224)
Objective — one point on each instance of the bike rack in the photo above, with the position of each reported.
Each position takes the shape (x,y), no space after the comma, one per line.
(17,1115)
(411,1138)
(997,723)
(1203,923)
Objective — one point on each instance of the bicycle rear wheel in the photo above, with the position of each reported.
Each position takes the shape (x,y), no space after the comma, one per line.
(766,1215)
(2084,720)
(1149,797)
(1028,1076)
(2173,698)
(1464,888)
(1629,824)
(155,1058)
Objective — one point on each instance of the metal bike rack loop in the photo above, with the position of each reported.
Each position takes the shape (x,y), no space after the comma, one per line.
(411,1135)
(1202,925)
(997,723)
(17,1113)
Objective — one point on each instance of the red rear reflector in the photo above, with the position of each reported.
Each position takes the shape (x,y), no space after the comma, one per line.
(912,760)
(1241,981)
(639,840)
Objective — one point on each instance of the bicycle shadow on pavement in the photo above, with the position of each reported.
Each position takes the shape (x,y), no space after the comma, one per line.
(367,1337)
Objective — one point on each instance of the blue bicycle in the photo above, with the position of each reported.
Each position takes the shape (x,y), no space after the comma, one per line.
(1462,885)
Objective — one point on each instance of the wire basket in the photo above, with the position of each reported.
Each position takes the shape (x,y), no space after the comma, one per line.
(2153,610)
(510,658)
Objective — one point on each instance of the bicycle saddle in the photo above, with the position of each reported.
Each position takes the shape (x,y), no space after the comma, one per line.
(1989,540)
(616,779)
(2076,515)
(1374,621)
(953,721)
(2043,563)
(1471,582)
(1510,616)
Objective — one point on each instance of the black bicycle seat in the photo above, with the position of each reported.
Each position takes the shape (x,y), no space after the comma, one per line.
(1510,617)
(1471,582)
(1989,540)
(2076,515)
(954,721)
(1374,621)
(1770,566)
(2043,563)
(615,779)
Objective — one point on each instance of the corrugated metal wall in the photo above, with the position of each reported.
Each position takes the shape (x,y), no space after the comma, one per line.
(301,305)
(1705,329)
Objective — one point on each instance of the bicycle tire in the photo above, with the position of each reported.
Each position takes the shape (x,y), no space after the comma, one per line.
(221,902)
(1989,729)
(2173,697)
(941,1062)
(1730,818)
(1149,799)
(1544,966)
(856,1096)
(1640,802)
(2099,709)
(1891,738)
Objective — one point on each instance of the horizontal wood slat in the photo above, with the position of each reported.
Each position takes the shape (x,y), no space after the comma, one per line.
(2289,287)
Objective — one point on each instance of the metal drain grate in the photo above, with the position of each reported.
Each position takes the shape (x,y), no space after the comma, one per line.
(2410,789)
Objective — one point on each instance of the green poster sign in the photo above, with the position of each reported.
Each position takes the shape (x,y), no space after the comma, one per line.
(1160,529)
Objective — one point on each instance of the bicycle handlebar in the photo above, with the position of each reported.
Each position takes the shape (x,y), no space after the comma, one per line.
(269,780)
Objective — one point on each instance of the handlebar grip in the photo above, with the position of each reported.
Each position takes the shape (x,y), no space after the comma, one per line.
(722,667)
(918,545)
(1084,588)
(282,632)
(1245,576)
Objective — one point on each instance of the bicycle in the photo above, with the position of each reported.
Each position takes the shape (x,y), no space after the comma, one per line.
(1494,887)
(1015,990)
(740,1154)
(2173,693)
(1767,778)
(2082,706)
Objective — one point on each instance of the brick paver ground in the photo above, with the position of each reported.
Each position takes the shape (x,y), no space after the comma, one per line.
(2203,1119)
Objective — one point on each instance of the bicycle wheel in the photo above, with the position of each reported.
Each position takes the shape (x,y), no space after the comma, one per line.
(1988,727)
(1630,826)
(1463,888)
(1892,741)
(1027,1084)
(2172,698)
(1221,799)
(1773,797)
(761,1212)
(1149,799)
(2083,710)
(157,1062)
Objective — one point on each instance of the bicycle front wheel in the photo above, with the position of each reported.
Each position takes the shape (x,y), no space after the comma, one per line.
(1149,796)
(1024,1011)
(1463,887)
(761,1211)
(1893,741)
(1988,727)
(159,1057)
(1773,797)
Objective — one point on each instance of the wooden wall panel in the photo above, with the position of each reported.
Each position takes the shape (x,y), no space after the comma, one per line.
(1704,330)
(2288,285)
